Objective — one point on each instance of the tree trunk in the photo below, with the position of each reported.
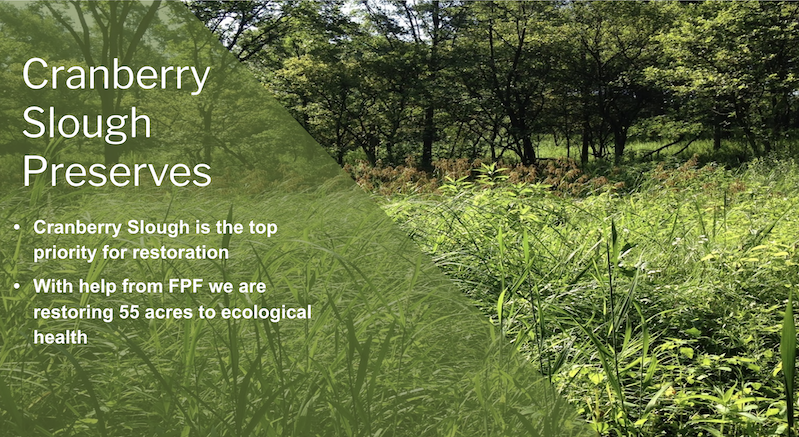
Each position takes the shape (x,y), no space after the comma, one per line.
(428,136)
(528,157)
(370,149)
(619,142)
(586,134)
(429,132)
(717,128)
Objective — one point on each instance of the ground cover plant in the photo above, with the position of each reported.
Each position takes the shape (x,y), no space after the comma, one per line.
(656,297)
(388,346)
(657,307)
(377,357)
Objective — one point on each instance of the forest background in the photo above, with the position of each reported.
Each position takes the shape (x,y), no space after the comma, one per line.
(612,183)
(522,81)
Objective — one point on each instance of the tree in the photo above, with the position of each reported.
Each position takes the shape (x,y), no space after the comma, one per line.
(321,79)
(431,26)
(245,27)
(122,26)
(515,52)
(221,118)
(736,63)
(25,34)
(616,42)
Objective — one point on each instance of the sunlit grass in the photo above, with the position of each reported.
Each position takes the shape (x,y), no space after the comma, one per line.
(654,311)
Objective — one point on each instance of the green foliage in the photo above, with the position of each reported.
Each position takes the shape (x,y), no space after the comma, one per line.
(431,79)
(391,347)
(657,311)
(376,359)
(731,65)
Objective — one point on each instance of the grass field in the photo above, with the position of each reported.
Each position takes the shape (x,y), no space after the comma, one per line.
(392,349)
(653,299)
(655,306)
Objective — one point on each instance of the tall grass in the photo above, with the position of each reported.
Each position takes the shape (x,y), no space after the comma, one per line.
(391,349)
(655,311)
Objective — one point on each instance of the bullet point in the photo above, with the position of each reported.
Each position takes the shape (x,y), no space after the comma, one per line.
(16,285)
(16,227)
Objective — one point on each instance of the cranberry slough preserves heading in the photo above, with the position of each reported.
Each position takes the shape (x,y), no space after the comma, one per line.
(45,122)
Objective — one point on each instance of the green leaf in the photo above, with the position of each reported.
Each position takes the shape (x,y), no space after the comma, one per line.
(500,304)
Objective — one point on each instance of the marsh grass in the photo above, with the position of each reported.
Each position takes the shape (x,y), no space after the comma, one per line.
(391,350)
(655,311)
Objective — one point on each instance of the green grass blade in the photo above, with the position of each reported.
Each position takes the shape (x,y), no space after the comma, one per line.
(500,305)
(227,235)
(788,354)
(89,389)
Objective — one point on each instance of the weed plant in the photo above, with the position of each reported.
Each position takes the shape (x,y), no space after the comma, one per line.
(391,349)
(659,309)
